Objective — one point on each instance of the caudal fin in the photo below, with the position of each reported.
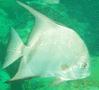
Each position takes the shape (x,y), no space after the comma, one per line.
(14,50)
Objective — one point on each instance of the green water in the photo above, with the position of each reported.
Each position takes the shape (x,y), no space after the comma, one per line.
(80,15)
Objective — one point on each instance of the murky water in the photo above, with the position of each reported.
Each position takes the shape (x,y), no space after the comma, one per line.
(82,16)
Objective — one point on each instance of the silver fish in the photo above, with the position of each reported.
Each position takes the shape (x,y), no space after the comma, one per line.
(53,50)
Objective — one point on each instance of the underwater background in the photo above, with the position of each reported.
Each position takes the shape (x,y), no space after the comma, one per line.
(80,15)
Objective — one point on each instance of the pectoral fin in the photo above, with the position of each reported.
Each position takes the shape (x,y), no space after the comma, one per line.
(14,50)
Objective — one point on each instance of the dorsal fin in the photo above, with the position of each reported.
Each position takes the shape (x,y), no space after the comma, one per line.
(39,17)
(14,50)
(44,2)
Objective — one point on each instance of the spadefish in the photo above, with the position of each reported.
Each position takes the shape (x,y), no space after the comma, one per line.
(52,51)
